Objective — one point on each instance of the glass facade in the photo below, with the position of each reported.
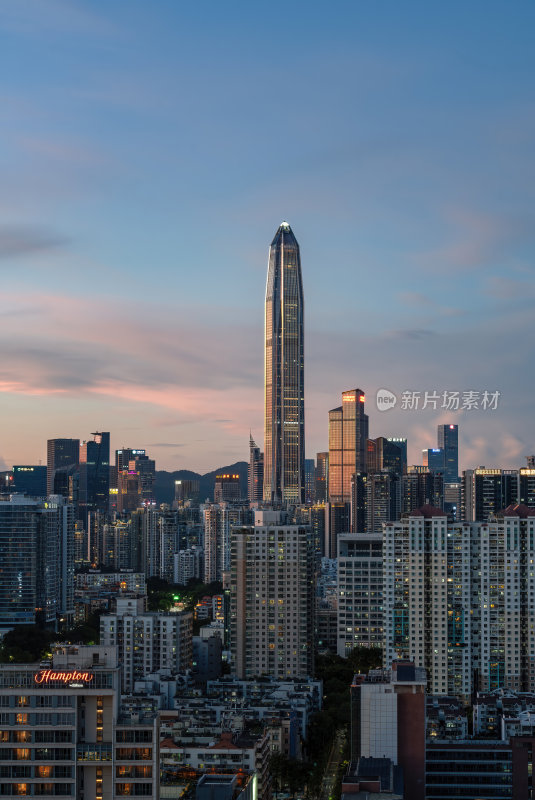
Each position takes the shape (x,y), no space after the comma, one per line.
(348,442)
(284,430)
(448,440)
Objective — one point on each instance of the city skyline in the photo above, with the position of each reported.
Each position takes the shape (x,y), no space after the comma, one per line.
(144,171)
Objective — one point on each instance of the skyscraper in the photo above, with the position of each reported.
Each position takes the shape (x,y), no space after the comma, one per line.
(60,454)
(348,440)
(272,599)
(448,440)
(284,430)
(255,473)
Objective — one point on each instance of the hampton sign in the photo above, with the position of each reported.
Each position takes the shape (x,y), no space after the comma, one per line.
(49,675)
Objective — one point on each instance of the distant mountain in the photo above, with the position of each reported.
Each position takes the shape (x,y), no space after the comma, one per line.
(164,487)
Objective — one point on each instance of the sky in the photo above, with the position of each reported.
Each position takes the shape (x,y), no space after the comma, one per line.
(148,153)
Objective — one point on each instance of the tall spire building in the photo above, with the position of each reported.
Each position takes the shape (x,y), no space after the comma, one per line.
(284,430)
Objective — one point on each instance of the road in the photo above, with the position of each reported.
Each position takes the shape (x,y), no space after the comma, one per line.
(328,783)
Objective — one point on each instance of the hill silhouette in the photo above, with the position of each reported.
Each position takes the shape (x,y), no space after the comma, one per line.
(164,488)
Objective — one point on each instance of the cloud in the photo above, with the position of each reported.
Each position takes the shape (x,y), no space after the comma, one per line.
(22,240)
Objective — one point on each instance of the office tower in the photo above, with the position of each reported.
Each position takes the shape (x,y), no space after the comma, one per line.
(145,467)
(317,524)
(360,592)
(531,462)
(400,442)
(322,477)
(124,456)
(284,431)
(255,473)
(94,490)
(348,440)
(421,488)
(389,456)
(526,486)
(337,521)
(310,480)
(227,488)
(448,440)
(383,499)
(371,455)
(128,490)
(147,641)
(30,480)
(37,569)
(60,453)
(187,491)
(272,600)
(487,491)
(434,459)
(359,503)
(71,739)
(219,519)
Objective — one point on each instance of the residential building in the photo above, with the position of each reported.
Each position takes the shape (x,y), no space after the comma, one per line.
(147,641)
(272,601)
(37,547)
(360,592)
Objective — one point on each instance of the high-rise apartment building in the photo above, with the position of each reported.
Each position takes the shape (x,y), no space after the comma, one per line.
(360,592)
(459,598)
(526,486)
(37,566)
(255,473)
(485,492)
(348,440)
(422,487)
(448,440)
(147,641)
(60,454)
(272,600)
(284,431)
(219,519)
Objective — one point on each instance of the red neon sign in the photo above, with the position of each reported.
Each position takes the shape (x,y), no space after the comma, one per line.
(48,675)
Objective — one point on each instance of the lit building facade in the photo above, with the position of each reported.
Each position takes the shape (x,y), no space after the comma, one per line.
(63,734)
(360,592)
(284,430)
(272,601)
(348,439)
(448,440)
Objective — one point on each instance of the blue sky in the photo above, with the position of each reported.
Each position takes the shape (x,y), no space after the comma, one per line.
(149,152)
